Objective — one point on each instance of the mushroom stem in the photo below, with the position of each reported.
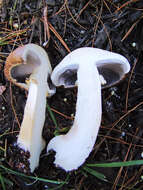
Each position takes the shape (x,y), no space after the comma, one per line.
(73,148)
(30,136)
(31,61)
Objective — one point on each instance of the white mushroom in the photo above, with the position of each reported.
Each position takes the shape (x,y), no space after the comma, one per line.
(93,67)
(31,61)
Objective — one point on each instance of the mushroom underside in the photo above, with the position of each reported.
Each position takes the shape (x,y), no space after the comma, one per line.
(22,71)
(68,78)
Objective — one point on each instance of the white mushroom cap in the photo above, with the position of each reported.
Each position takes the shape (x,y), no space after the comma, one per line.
(94,67)
(111,66)
(23,61)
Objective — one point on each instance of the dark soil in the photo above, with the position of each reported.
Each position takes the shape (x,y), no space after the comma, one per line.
(114,25)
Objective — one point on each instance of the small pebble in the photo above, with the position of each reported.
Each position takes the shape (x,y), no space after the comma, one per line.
(65,99)
(46,187)
(72,115)
(134,44)
(130,125)
(3,108)
(123,134)
(82,31)
(15,25)
(112,92)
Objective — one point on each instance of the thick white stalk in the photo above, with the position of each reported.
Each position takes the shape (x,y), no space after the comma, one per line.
(73,148)
(30,136)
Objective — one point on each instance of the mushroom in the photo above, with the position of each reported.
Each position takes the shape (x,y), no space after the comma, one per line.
(94,67)
(29,67)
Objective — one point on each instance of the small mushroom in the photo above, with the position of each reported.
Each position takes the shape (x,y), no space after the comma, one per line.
(94,67)
(29,67)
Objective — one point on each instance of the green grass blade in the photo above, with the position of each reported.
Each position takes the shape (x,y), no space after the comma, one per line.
(95,173)
(2,182)
(53,117)
(7,181)
(61,185)
(118,164)
(31,177)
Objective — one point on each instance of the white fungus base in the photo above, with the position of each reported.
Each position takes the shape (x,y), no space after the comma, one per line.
(73,148)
